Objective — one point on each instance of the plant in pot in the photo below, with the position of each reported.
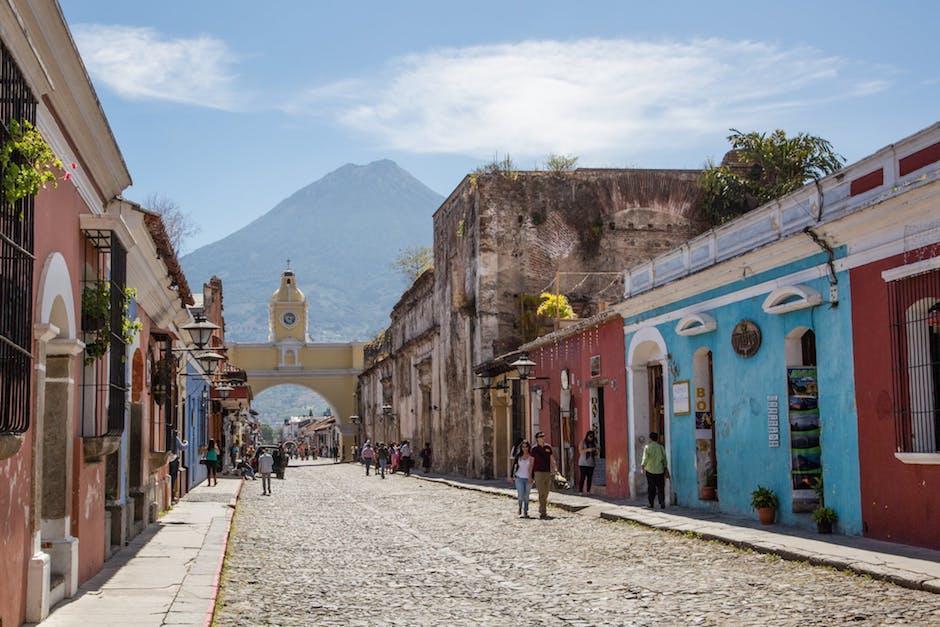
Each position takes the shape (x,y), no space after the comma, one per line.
(824,517)
(96,320)
(764,500)
(709,491)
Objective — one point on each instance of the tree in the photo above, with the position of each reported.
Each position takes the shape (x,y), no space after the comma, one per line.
(179,224)
(267,433)
(413,261)
(555,306)
(561,163)
(760,168)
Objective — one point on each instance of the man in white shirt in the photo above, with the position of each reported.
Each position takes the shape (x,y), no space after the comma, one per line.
(265,467)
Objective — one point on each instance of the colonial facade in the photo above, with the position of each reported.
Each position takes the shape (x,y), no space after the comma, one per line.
(794,348)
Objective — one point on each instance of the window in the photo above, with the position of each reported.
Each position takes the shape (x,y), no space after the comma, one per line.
(16,270)
(914,303)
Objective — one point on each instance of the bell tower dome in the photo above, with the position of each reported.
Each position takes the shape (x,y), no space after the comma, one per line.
(288,311)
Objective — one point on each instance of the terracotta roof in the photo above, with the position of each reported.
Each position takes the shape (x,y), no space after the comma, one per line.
(165,250)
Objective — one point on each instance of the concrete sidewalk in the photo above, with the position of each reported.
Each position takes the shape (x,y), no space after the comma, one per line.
(908,566)
(168,575)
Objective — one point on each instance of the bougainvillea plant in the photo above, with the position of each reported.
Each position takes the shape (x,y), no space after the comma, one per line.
(27,162)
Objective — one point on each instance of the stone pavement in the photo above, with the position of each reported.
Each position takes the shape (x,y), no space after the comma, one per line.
(332,546)
(168,575)
(912,567)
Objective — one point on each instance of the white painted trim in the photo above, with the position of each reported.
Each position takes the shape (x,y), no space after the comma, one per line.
(305,374)
(644,335)
(56,281)
(696,324)
(734,297)
(777,301)
(919,458)
(911,269)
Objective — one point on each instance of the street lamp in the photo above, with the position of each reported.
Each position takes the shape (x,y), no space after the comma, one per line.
(200,330)
(223,391)
(209,361)
(524,366)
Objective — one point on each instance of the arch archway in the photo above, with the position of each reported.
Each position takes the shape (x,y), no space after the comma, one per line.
(647,399)
(53,569)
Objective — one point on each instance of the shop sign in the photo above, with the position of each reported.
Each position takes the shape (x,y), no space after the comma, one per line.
(680,398)
(745,339)
(773,421)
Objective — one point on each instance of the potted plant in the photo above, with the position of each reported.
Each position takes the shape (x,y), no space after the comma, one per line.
(764,500)
(824,517)
(709,491)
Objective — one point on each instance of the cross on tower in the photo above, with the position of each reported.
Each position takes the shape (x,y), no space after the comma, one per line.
(288,263)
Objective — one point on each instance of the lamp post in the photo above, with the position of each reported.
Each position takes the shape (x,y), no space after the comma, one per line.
(356,420)
(200,330)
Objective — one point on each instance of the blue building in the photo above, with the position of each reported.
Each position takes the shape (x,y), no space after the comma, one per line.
(739,345)
(195,422)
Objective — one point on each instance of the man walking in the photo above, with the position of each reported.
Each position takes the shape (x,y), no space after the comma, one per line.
(367,454)
(543,467)
(654,464)
(383,455)
(265,467)
(406,452)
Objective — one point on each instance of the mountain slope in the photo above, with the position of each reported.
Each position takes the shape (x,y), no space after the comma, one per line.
(341,233)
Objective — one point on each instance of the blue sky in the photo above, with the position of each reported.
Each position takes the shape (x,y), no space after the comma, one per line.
(228,107)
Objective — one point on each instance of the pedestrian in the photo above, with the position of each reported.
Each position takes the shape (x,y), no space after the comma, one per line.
(383,455)
(426,457)
(233,455)
(247,472)
(211,460)
(265,467)
(395,456)
(368,453)
(522,471)
(543,468)
(654,464)
(405,462)
(586,462)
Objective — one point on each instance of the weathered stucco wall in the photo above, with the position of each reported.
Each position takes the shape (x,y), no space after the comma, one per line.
(500,238)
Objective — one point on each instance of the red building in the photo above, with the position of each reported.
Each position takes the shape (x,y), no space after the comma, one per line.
(896,329)
(580,384)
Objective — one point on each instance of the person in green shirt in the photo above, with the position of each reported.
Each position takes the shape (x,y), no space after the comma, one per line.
(654,464)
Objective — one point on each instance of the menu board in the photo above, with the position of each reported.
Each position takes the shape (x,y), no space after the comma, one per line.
(805,428)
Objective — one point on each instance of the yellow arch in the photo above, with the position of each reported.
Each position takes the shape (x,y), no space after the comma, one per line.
(330,370)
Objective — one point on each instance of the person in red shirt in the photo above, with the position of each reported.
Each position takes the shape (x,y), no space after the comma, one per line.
(543,467)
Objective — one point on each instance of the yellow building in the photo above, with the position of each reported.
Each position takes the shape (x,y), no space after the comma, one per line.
(289,357)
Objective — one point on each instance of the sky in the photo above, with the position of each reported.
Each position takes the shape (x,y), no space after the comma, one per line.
(229,107)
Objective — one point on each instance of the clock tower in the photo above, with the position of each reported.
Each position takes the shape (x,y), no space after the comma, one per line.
(288,319)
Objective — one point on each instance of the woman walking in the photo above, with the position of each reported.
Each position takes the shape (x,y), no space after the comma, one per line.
(211,461)
(522,471)
(586,462)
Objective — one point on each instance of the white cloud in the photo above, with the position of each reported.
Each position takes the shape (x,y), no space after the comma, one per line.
(141,64)
(591,96)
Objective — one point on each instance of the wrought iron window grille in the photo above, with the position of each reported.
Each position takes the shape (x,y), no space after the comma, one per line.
(915,329)
(105,380)
(16,265)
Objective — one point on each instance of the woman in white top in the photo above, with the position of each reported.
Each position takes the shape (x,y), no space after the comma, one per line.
(522,471)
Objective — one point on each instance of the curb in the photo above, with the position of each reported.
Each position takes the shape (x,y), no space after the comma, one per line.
(217,578)
(905,579)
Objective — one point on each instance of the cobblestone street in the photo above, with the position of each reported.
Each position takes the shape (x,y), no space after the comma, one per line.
(334,547)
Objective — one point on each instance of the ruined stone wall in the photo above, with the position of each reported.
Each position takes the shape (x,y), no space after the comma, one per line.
(500,238)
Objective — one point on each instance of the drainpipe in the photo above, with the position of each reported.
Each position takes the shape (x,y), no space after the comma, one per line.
(830,263)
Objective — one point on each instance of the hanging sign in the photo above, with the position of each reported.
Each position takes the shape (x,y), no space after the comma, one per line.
(745,339)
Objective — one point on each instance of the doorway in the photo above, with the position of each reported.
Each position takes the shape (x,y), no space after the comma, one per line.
(706,460)
(657,409)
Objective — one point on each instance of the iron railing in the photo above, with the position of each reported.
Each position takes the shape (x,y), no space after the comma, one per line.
(915,328)
(16,264)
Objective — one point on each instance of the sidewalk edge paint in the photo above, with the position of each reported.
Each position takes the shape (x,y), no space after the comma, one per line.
(217,579)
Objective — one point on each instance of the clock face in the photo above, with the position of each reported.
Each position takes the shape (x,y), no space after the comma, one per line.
(289,318)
